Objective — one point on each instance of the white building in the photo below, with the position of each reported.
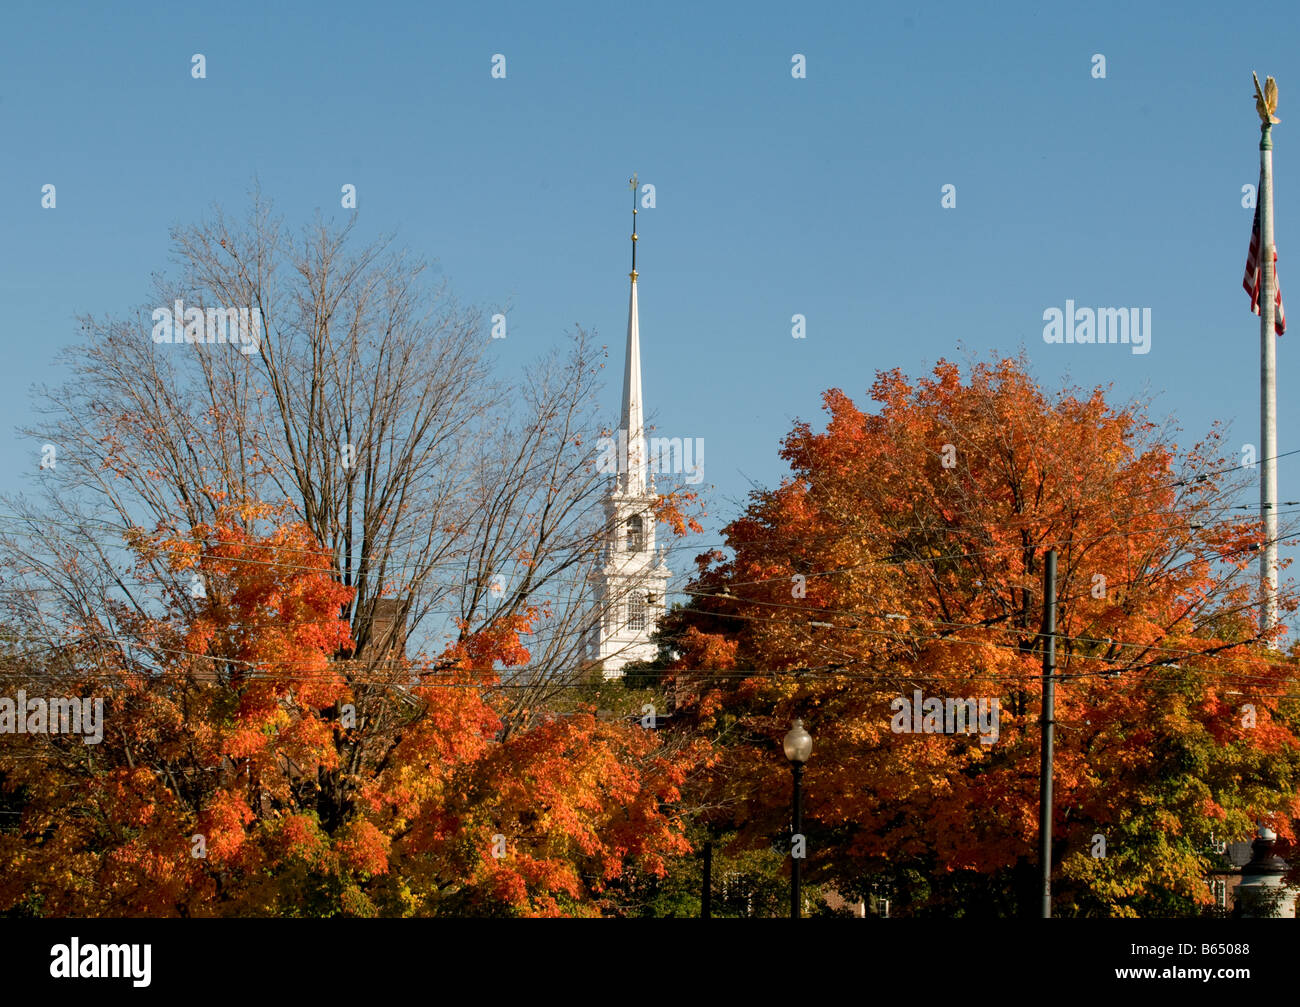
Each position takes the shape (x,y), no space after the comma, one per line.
(631,585)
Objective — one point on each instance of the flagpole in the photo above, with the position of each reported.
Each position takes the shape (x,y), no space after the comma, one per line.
(1267,385)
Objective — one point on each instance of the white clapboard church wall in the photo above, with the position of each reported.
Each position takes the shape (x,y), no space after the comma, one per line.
(631,584)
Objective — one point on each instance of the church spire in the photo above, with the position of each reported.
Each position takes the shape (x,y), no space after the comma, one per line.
(632,422)
(631,586)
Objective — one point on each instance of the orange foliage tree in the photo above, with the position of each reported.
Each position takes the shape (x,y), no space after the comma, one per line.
(237,776)
(903,560)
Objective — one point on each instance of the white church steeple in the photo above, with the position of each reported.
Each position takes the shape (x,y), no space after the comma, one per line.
(633,417)
(630,587)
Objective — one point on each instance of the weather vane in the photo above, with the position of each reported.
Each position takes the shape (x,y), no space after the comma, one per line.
(1266,100)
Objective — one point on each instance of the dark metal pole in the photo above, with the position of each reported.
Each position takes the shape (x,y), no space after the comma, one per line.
(706,889)
(1048,725)
(796,906)
(634,195)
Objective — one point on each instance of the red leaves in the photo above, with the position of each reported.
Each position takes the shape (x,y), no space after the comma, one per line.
(673,510)
(573,797)
(232,731)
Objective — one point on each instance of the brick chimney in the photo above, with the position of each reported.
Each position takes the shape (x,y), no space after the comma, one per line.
(387,637)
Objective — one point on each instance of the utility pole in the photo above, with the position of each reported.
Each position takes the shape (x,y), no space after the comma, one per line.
(1047,724)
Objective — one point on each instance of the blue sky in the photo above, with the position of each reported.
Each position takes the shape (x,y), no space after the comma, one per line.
(775,196)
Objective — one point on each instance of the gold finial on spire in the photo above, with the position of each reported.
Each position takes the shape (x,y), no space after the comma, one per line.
(632,183)
(1266,100)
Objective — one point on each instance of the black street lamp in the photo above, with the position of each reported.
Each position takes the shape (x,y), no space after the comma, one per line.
(798,747)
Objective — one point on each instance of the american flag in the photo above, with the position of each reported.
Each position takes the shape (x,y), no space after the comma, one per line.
(1253,278)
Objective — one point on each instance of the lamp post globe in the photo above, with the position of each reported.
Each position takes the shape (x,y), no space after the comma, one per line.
(797,743)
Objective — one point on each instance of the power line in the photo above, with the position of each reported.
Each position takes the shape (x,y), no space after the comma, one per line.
(384,553)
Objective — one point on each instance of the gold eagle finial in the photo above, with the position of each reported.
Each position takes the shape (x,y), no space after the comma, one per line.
(1266,100)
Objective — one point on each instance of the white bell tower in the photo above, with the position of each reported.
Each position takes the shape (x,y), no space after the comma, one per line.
(631,586)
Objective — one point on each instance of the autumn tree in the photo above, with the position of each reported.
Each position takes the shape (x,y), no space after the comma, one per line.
(368,415)
(215,789)
(461,498)
(903,559)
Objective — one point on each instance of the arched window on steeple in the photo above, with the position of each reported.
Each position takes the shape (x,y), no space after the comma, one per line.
(635,534)
(636,612)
